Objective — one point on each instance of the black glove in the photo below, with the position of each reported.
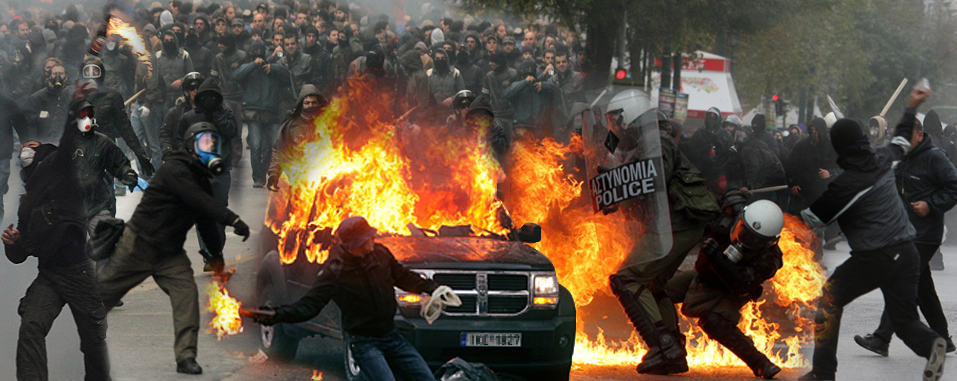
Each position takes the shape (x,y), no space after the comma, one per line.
(272,183)
(265,315)
(711,248)
(145,166)
(241,229)
(130,179)
(217,263)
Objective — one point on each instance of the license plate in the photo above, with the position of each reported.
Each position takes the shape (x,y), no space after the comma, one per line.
(491,339)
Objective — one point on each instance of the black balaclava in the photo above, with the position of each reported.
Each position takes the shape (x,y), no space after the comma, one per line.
(759,124)
(229,41)
(441,64)
(712,119)
(820,126)
(462,60)
(171,49)
(499,59)
(846,134)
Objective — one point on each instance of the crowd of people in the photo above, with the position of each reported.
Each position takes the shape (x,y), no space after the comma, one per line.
(226,77)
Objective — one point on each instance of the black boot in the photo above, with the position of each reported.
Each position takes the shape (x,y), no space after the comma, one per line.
(872,343)
(666,354)
(725,332)
(189,366)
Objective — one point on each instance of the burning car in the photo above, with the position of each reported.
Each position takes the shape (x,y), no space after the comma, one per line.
(515,317)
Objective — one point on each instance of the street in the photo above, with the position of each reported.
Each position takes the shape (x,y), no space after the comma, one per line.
(140,332)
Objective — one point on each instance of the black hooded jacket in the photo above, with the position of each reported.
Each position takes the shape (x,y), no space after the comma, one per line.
(934,128)
(862,198)
(180,196)
(222,117)
(98,161)
(807,158)
(51,217)
(926,174)
(112,119)
(363,288)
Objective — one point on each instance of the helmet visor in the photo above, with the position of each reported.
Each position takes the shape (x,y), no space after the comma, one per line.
(748,239)
(92,71)
(208,142)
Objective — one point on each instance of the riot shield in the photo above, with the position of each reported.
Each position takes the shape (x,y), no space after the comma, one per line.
(626,177)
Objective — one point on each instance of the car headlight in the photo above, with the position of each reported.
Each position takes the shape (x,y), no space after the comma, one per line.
(546,285)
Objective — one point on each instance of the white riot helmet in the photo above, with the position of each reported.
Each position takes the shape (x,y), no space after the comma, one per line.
(762,219)
(624,109)
(757,229)
(630,104)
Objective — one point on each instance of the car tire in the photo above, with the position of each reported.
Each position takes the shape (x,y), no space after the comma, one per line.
(352,370)
(276,342)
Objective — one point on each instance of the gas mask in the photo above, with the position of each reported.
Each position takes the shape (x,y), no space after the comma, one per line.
(208,146)
(92,71)
(56,82)
(758,228)
(740,138)
(85,121)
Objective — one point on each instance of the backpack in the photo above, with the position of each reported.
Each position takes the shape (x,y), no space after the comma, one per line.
(688,192)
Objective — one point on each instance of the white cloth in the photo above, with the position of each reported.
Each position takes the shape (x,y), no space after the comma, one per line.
(441,297)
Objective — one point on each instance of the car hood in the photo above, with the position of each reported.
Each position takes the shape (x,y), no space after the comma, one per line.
(465,253)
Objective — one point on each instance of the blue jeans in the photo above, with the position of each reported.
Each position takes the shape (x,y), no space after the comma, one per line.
(147,130)
(260,139)
(380,357)
(220,193)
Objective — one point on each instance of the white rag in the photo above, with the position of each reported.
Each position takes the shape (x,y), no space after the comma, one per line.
(441,297)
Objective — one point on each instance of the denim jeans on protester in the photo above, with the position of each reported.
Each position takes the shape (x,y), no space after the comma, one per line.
(260,139)
(893,269)
(220,185)
(389,358)
(147,130)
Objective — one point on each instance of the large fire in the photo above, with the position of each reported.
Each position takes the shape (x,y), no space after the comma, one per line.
(394,175)
(362,162)
(132,39)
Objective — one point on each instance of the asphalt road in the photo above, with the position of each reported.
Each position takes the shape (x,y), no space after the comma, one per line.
(140,333)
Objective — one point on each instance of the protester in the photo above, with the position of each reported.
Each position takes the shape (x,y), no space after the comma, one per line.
(927,182)
(864,201)
(65,270)
(179,196)
(361,278)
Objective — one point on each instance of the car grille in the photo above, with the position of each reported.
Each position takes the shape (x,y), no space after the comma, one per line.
(486,293)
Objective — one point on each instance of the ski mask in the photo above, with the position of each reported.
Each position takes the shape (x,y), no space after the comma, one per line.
(170,47)
(441,64)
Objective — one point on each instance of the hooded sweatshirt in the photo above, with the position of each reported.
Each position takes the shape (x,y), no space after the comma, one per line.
(926,175)
(418,91)
(934,128)
(222,118)
(297,129)
(172,68)
(858,199)
(808,157)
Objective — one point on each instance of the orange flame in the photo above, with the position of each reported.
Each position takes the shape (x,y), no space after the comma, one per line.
(132,39)
(361,162)
(586,247)
(366,170)
(316,375)
(226,320)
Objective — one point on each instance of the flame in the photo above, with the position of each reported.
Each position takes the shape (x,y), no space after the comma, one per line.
(132,39)
(362,162)
(226,321)
(377,170)
(316,375)
(586,247)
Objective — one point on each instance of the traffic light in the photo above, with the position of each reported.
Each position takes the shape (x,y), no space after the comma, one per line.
(620,73)
(778,105)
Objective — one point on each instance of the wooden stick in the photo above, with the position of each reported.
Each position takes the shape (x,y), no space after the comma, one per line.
(894,97)
(133,98)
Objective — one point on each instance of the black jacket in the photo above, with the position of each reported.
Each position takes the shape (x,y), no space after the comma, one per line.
(51,218)
(98,160)
(45,112)
(223,119)
(362,288)
(926,174)
(168,139)
(112,119)
(863,198)
(760,166)
(180,196)
(803,164)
